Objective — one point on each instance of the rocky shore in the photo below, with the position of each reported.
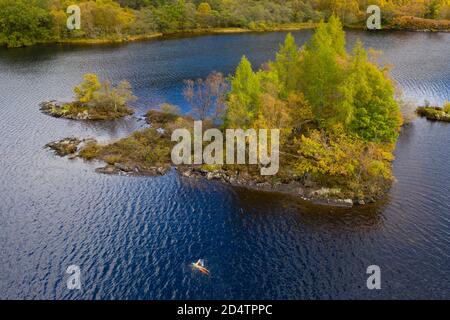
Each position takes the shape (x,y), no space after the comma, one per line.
(59,110)
(306,190)
(64,147)
(70,147)
(123,169)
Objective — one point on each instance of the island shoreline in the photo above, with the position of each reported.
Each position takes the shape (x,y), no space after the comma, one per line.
(320,195)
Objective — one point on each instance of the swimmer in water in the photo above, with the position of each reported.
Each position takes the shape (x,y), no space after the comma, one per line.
(200,266)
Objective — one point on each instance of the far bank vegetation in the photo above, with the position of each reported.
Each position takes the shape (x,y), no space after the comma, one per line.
(27,22)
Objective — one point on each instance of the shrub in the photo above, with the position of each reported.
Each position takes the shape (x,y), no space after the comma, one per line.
(446,107)
(90,151)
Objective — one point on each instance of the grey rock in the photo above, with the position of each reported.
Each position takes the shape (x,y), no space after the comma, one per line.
(122,167)
(64,147)
(109,169)
(348,202)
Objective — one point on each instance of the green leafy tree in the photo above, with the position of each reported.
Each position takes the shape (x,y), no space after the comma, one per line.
(108,98)
(286,64)
(377,115)
(85,91)
(204,14)
(24,22)
(243,100)
(323,76)
(337,35)
(432,9)
(446,107)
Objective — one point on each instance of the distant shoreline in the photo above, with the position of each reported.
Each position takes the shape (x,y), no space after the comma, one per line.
(183,33)
(230,30)
(221,31)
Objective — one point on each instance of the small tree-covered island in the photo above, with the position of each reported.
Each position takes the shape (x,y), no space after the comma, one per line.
(433,113)
(94,101)
(337,111)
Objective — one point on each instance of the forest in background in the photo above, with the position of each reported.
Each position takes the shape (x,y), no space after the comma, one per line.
(26,22)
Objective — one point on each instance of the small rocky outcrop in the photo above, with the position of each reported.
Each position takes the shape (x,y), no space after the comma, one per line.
(67,146)
(63,110)
(64,147)
(122,169)
(48,107)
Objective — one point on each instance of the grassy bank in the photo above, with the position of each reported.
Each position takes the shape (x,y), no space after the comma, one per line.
(419,24)
(408,23)
(400,23)
(132,155)
(181,33)
(83,41)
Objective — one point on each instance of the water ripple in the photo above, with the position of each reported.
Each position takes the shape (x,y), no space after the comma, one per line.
(135,237)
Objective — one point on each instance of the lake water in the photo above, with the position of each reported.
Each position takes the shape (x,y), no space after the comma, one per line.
(135,237)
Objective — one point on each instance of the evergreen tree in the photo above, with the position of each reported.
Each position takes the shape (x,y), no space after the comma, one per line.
(377,115)
(86,90)
(286,65)
(337,35)
(323,76)
(243,100)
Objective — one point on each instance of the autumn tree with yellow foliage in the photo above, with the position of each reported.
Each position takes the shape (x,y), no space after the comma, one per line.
(336,110)
(26,22)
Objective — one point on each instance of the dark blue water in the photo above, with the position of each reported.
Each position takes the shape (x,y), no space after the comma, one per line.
(135,237)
